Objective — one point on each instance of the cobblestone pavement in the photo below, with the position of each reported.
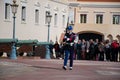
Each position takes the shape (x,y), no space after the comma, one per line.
(43,69)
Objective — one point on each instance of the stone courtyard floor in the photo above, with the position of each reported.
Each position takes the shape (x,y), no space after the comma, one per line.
(51,69)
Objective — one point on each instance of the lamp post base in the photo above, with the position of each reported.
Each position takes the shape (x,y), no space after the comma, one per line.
(47,56)
(13,53)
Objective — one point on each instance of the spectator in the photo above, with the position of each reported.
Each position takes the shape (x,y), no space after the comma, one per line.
(79,49)
(115,48)
(83,49)
(107,50)
(87,50)
(51,49)
(57,50)
(96,49)
(91,49)
(61,51)
(101,51)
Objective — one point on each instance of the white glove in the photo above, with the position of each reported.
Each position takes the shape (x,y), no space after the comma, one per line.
(68,39)
(71,44)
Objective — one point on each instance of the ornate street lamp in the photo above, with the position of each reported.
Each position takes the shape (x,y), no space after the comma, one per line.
(49,21)
(48,17)
(14,7)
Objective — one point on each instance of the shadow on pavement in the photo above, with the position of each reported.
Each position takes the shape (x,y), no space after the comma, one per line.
(47,67)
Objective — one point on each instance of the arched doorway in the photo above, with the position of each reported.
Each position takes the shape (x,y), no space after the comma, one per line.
(89,35)
(118,37)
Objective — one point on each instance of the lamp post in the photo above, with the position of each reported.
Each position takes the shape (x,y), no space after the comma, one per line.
(49,21)
(14,7)
(48,37)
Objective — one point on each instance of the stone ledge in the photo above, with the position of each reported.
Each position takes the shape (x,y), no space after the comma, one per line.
(23,57)
(28,57)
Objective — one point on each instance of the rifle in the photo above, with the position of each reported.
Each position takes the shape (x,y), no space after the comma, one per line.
(67,24)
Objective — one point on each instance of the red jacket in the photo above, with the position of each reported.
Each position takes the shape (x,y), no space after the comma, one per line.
(115,45)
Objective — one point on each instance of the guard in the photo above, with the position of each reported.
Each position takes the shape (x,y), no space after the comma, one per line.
(68,42)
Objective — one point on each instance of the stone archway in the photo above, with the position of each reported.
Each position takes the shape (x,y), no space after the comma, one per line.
(118,37)
(87,35)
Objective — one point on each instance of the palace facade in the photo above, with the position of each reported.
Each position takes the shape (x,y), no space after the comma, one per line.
(96,19)
(31,21)
(92,19)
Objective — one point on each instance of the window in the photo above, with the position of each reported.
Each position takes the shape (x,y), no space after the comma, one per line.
(83,18)
(116,19)
(23,17)
(7,11)
(99,19)
(63,17)
(47,13)
(55,19)
(36,16)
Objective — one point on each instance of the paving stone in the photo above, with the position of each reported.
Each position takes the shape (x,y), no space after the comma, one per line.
(51,69)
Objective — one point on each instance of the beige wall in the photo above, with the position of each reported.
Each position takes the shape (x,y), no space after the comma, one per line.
(106,28)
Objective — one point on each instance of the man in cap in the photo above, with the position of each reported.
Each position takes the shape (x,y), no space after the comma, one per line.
(68,42)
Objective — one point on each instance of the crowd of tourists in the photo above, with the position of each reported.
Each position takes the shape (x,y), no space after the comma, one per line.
(90,50)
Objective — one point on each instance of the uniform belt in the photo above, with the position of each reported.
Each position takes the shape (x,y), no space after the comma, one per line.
(71,44)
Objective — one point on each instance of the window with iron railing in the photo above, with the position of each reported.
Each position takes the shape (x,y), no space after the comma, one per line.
(116,19)
(55,19)
(83,18)
(23,14)
(37,16)
(63,21)
(7,11)
(99,19)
